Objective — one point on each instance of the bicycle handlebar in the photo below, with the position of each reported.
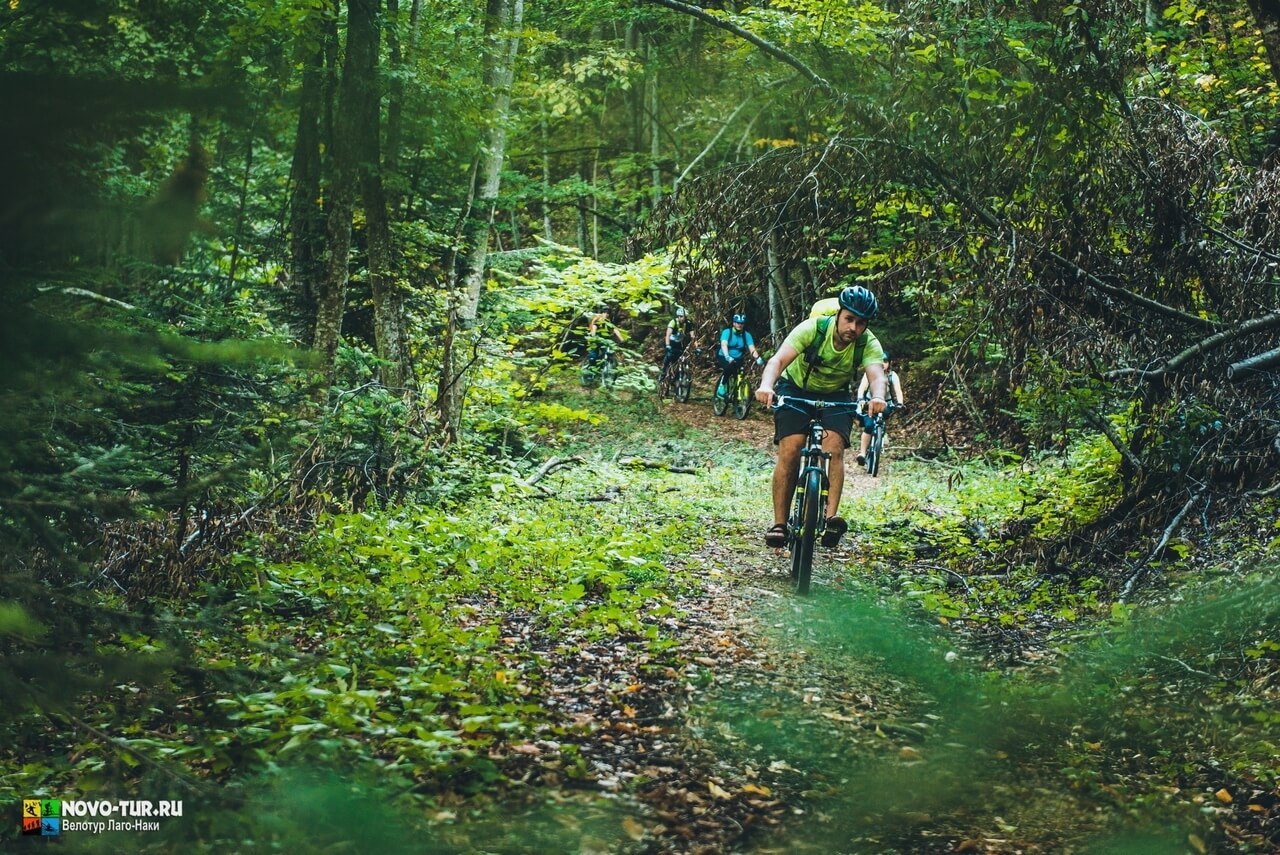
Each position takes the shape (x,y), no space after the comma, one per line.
(781,401)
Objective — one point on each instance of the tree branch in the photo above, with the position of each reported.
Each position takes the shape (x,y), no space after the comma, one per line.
(1252,325)
(766,46)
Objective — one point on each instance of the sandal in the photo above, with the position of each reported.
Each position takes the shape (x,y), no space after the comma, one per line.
(836,527)
(776,537)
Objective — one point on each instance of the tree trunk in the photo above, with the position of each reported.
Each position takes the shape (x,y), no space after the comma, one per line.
(546,180)
(357,89)
(779,308)
(1267,15)
(508,16)
(503,19)
(655,170)
(306,218)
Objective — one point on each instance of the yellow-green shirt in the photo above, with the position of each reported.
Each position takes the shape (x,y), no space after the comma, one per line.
(835,369)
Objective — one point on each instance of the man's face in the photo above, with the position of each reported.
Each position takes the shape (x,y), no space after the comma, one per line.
(848,327)
(738,327)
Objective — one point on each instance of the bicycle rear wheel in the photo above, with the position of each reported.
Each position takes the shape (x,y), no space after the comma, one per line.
(720,403)
(875,450)
(608,370)
(806,533)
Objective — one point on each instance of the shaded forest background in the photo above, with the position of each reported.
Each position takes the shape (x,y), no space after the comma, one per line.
(265,261)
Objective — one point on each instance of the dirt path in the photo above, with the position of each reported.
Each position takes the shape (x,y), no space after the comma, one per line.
(762,706)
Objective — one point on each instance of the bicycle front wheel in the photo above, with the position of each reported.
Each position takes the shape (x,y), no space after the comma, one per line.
(684,383)
(874,451)
(742,405)
(608,370)
(807,534)
(720,403)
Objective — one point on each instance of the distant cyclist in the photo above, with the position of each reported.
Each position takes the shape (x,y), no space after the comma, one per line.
(602,332)
(894,387)
(735,342)
(678,337)
(818,360)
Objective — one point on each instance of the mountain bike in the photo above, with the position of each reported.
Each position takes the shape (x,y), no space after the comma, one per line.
(684,377)
(875,449)
(601,369)
(733,392)
(808,520)
(676,378)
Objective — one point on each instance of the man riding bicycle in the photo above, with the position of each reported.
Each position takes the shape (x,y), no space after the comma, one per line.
(678,336)
(602,332)
(893,385)
(818,360)
(735,341)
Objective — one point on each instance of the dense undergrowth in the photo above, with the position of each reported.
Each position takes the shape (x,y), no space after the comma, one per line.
(403,664)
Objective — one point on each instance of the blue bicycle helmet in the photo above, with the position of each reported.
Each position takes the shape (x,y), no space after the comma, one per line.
(739,318)
(860,301)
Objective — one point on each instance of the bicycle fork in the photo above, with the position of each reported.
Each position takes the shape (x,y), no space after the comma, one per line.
(810,461)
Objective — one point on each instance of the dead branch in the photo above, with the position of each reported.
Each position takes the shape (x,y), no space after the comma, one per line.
(1216,340)
(1105,425)
(550,466)
(1159,548)
(641,463)
(1238,371)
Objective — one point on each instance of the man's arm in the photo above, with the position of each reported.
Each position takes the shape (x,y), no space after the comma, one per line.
(772,371)
(875,381)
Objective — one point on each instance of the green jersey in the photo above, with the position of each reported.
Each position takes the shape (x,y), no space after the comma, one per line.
(834,369)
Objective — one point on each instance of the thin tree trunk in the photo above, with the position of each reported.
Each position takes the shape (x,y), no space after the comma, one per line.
(779,305)
(306,218)
(546,179)
(510,16)
(655,170)
(240,212)
(356,91)
(503,20)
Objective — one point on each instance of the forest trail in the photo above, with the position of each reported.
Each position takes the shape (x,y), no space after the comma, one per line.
(775,718)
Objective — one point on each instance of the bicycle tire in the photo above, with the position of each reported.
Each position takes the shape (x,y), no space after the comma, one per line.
(607,372)
(807,536)
(875,450)
(684,383)
(720,403)
(665,383)
(742,406)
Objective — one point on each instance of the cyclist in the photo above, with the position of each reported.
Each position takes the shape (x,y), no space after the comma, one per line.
(678,336)
(601,334)
(735,341)
(818,360)
(893,385)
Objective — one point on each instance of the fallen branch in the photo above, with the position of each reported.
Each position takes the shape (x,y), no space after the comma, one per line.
(1113,435)
(641,463)
(1252,325)
(1159,550)
(550,466)
(1238,371)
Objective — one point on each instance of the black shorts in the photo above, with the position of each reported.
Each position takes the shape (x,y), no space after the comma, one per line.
(789,421)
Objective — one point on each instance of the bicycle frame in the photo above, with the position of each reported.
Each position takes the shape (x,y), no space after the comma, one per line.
(808,519)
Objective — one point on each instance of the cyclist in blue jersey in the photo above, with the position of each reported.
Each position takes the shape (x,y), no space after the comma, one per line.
(819,360)
(735,341)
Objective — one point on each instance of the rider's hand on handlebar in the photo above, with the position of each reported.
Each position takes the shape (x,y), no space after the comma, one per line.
(875,405)
(766,396)
(759,360)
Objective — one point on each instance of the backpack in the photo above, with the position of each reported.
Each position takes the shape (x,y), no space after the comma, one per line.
(825,310)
